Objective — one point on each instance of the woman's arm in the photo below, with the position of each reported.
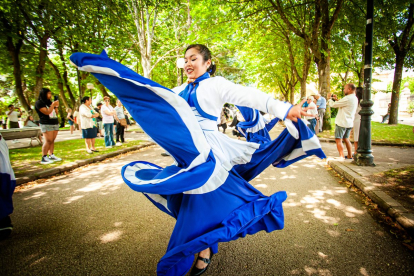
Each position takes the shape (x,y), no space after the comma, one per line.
(108,111)
(253,98)
(341,103)
(49,110)
(85,112)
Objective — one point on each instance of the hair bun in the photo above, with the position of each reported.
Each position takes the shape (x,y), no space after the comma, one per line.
(212,69)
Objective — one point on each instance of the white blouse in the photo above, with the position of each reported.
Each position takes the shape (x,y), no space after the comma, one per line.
(214,92)
(86,117)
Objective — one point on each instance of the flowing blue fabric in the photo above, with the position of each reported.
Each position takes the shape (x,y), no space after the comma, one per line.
(7,181)
(211,201)
(252,118)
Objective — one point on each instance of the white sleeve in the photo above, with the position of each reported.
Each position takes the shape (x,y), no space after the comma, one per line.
(251,97)
(341,103)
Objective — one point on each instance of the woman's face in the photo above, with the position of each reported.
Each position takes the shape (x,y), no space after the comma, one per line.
(88,102)
(194,65)
(118,103)
(31,118)
(49,95)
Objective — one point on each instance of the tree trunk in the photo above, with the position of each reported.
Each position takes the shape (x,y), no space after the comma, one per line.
(14,51)
(292,94)
(305,71)
(65,74)
(41,64)
(396,85)
(60,84)
(324,79)
(302,87)
(62,115)
(146,66)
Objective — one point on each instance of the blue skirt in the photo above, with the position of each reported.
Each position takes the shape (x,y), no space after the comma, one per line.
(210,199)
(7,181)
(89,133)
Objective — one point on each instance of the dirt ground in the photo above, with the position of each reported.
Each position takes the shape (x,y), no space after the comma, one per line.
(399,184)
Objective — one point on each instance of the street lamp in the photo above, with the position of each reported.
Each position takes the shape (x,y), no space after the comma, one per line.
(364,155)
(90,87)
(180,64)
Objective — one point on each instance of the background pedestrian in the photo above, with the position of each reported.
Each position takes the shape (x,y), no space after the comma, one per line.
(344,121)
(357,119)
(120,122)
(13,116)
(49,124)
(88,122)
(71,120)
(108,114)
(99,119)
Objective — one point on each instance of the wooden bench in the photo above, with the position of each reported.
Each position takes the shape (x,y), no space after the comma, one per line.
(19,133)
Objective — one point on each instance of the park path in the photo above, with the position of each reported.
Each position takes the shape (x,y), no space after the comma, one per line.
(88,222)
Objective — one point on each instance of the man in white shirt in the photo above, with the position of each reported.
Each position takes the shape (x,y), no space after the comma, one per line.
(13,116)
(345,119)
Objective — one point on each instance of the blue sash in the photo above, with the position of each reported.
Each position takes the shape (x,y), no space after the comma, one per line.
(190,96)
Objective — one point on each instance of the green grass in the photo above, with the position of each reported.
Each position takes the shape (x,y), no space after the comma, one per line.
(27,160)
(395,134)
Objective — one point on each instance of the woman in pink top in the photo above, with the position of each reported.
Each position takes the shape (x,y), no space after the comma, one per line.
(108,114)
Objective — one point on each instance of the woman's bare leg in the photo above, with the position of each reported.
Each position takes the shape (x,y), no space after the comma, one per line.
(48,136)
(52,146)
(206,253)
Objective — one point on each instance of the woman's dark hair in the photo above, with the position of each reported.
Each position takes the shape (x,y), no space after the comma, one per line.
(205,52)
(84,99)
(43,96)
(358,93)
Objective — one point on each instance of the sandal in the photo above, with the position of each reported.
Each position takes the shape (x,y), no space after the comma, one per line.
(197,271)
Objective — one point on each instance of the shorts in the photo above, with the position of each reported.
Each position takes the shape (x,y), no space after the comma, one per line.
(342,132)
(70,122)
(46,128)
(89,133)
(99,125)
(14,124)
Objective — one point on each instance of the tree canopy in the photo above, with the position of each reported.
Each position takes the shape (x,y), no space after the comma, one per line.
(278,46)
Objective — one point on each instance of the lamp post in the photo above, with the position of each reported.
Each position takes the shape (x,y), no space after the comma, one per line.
(90,87)
(364,155)
(180,64)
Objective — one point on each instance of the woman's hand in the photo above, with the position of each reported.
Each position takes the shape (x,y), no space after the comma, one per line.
(295,112)
(55,103)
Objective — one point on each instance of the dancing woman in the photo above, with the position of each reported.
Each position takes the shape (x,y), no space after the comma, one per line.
(207,189)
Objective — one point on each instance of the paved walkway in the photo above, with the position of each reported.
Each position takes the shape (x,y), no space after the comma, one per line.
(88,222)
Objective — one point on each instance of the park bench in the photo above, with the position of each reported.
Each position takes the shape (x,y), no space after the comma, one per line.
(19,133)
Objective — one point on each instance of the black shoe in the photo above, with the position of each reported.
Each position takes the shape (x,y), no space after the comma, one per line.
(6,228)
(165,154)
(95,150)
(197,271)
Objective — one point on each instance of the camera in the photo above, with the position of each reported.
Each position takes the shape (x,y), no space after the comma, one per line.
(56,98)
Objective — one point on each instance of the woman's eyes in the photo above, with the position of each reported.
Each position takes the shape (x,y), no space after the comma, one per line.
(191,60)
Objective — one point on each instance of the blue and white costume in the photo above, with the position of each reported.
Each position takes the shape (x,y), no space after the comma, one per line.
(7,181)
(206,189)
(255,128)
